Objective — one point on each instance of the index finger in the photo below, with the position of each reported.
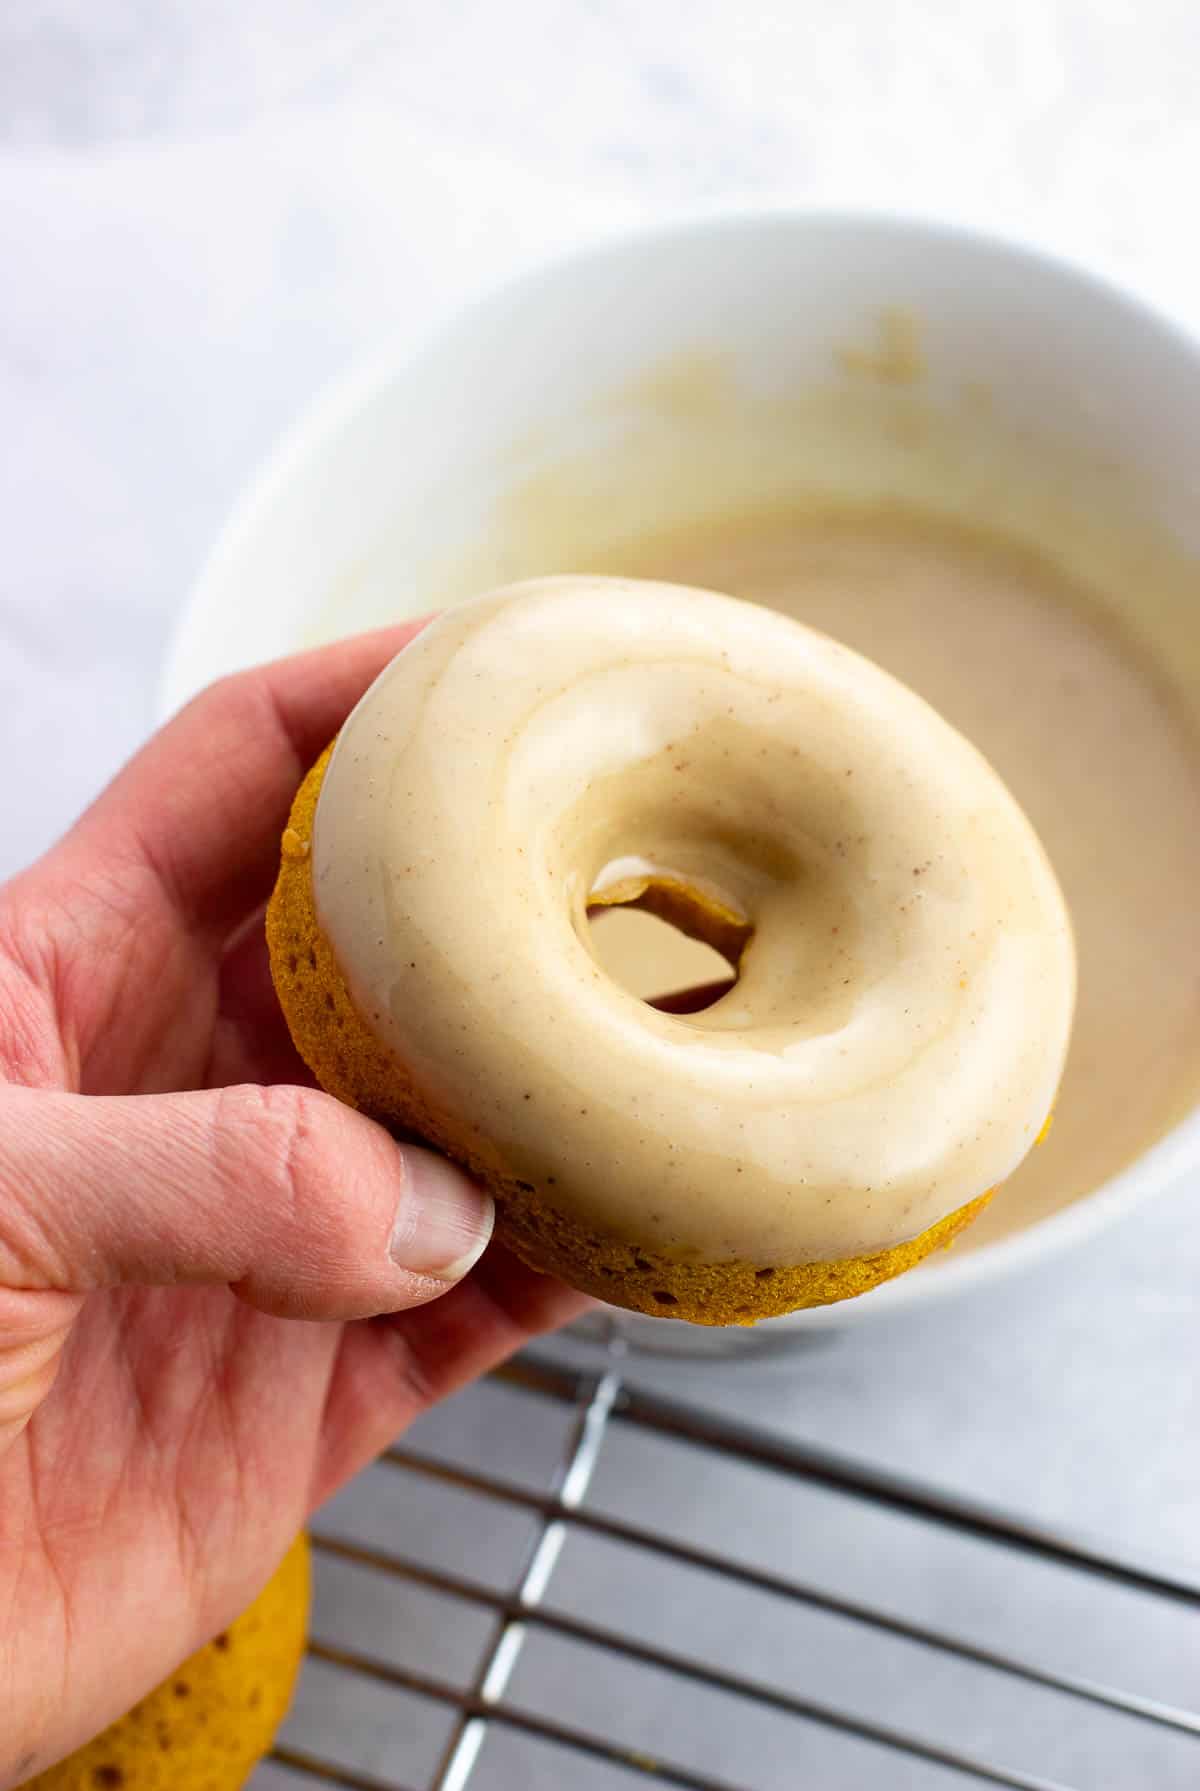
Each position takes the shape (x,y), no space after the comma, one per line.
(204,802)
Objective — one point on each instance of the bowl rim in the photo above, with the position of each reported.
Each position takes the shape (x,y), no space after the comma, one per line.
(335,404)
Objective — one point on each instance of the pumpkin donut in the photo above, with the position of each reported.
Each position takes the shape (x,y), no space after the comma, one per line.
(893,1041)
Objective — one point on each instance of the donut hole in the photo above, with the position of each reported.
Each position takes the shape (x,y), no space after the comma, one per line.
(666,943)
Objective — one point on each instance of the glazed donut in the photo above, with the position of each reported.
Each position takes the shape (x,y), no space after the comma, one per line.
(893,1042)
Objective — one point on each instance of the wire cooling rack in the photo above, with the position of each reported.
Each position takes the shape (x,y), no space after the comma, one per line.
(573,1676)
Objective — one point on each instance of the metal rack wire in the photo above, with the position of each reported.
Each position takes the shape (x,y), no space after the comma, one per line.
(602,1401)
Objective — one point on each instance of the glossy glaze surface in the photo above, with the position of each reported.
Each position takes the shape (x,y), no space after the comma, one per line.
(897,1030)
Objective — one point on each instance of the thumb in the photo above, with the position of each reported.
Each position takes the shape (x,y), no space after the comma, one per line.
(302,1206)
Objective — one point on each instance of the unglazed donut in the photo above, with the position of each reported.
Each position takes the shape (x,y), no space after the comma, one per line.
(891,1047)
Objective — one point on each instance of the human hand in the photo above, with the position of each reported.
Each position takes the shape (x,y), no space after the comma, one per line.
(202,1329)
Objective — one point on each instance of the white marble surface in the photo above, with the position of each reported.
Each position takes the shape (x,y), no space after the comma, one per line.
(205,210)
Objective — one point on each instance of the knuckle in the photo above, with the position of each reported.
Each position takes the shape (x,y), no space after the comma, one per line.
(281,1137)
(261,1136)
(322,1215)
(244,699)
(232,692)
(30,1253)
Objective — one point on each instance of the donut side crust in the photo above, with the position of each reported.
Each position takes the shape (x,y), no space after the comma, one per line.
(351,1063)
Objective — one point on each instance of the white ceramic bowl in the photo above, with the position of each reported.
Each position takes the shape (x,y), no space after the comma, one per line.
(712,365)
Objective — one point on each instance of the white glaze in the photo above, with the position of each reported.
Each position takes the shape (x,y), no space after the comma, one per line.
(898,1030)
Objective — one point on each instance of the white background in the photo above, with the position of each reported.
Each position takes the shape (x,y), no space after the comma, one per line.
(207,207)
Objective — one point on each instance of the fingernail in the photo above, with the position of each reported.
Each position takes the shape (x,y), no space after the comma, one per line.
(444,1219)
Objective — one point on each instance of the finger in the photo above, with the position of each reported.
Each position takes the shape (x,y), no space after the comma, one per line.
(302,1206)
(204,802)
(390,1371)
(33,1332)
